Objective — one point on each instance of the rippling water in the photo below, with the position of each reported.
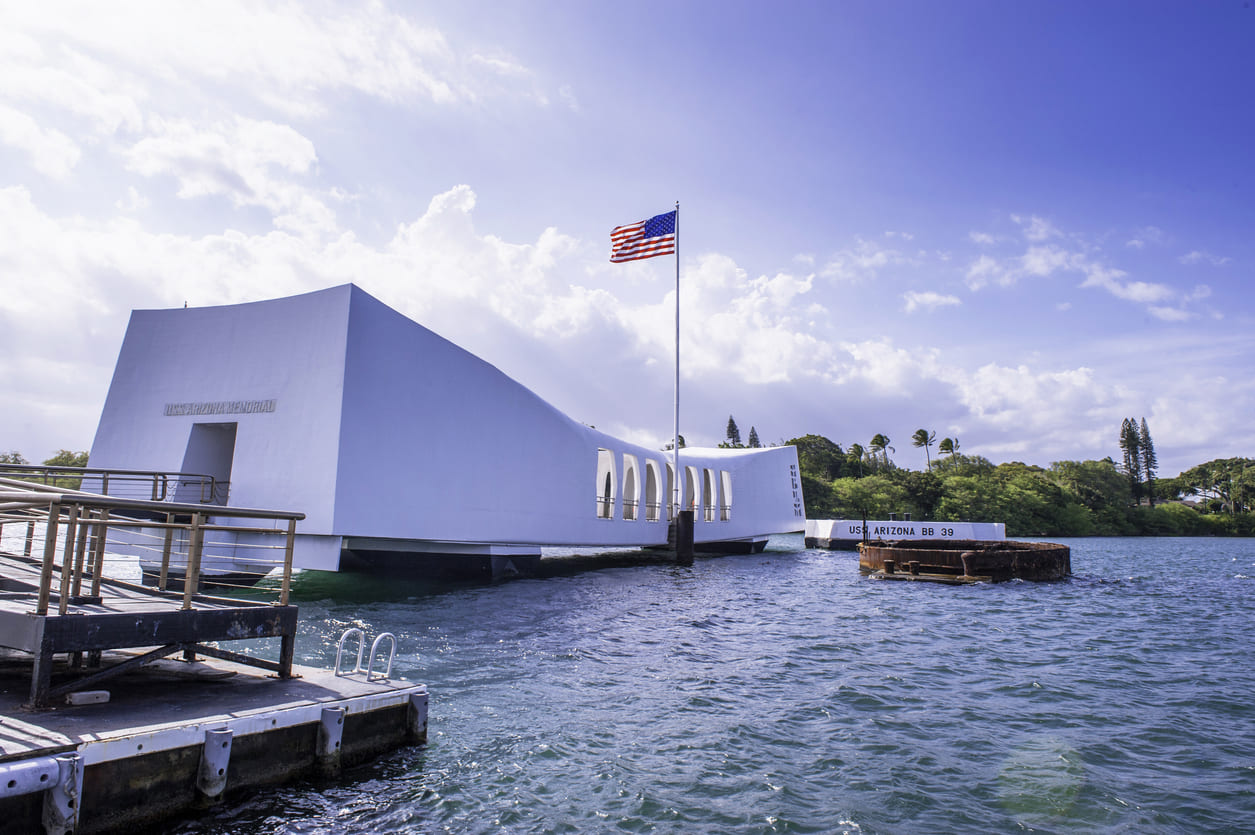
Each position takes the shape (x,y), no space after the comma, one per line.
(782,692)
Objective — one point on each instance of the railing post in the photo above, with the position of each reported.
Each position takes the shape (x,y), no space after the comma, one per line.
(98,562)
(80,553)
(30,537)
(287,562)
(165,552)
(191,574)
(50,554)
(104,484)
(67,559)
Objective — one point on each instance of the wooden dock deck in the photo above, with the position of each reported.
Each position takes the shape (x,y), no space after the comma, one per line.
(177,736)
(168,735)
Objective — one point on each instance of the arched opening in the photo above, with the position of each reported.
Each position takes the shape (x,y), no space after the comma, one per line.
(605,484)
(631,488)
(725,508)
(692,492)
(710,495)
(653,507)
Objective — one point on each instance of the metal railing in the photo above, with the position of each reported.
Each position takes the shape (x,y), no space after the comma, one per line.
(153,485)
(79,534)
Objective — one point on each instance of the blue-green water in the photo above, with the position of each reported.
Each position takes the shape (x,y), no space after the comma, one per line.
(783,692)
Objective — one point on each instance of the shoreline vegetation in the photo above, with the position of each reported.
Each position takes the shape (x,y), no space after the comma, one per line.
(1068,498)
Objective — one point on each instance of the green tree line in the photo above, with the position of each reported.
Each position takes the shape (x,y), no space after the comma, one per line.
(1068,498)
(63,458)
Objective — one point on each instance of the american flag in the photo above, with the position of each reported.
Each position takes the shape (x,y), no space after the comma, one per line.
(643,239)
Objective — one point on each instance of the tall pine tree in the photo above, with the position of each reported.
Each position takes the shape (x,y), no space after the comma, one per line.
(734,434)
(754,444)
(1149,462)
(1130,445)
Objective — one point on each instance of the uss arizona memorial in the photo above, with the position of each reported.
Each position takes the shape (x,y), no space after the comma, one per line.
(401,447)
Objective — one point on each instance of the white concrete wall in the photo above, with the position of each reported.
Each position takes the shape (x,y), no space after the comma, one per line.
(289,350)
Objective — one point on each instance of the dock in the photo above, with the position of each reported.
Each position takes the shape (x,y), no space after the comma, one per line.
(120,706)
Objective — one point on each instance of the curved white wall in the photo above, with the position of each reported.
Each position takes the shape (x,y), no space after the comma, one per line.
(379,428)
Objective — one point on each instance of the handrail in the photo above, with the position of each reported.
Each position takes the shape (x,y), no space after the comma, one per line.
(210,486)
(77,525)
(17,495)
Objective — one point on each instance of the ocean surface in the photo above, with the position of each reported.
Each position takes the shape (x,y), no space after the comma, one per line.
(783,692)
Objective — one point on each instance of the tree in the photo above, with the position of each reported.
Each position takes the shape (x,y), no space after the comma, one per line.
(671,444)
(924,438)
(734,434)
(1226,483)
(948,446)
(858,454)
(1150,462)
(1130,443)
(754,444)
(65,458)
(819,457)
(13,457)
(878,444)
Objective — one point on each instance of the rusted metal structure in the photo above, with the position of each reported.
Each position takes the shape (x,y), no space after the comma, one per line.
(965,561)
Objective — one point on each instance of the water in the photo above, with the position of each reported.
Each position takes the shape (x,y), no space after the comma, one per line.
(782,692)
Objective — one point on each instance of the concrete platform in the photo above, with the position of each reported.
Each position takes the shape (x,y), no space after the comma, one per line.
(176,736)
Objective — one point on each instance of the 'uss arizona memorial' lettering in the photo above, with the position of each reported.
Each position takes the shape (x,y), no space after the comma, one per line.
(221,407)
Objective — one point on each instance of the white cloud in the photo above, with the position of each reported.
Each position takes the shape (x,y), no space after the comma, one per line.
(862,262)
(887,368)
(1169,314)
(51,152)
(982,238)
(928,299)
(249,162)
(1147,235)
(1134,291)
(1035,228)
(290,56)
(1044,261)
(1199,257)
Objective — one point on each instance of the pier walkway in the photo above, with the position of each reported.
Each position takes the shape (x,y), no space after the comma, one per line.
(56,597)
(169,735)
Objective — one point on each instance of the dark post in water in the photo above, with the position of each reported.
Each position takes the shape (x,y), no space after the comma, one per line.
(684,537)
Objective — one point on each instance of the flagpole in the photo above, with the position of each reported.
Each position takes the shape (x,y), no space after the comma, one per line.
(675,441)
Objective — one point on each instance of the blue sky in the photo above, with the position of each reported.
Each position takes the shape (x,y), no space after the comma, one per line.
(1011,223)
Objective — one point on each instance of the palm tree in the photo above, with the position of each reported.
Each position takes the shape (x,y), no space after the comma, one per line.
(858,452)
(878,444)
(946,447)
(924,438)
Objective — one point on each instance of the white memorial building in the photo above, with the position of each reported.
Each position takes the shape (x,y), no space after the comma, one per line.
(401,447)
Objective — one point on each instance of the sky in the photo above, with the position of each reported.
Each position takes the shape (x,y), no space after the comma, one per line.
(1013,224)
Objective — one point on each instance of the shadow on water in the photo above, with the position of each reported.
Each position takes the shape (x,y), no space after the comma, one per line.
(394,585)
